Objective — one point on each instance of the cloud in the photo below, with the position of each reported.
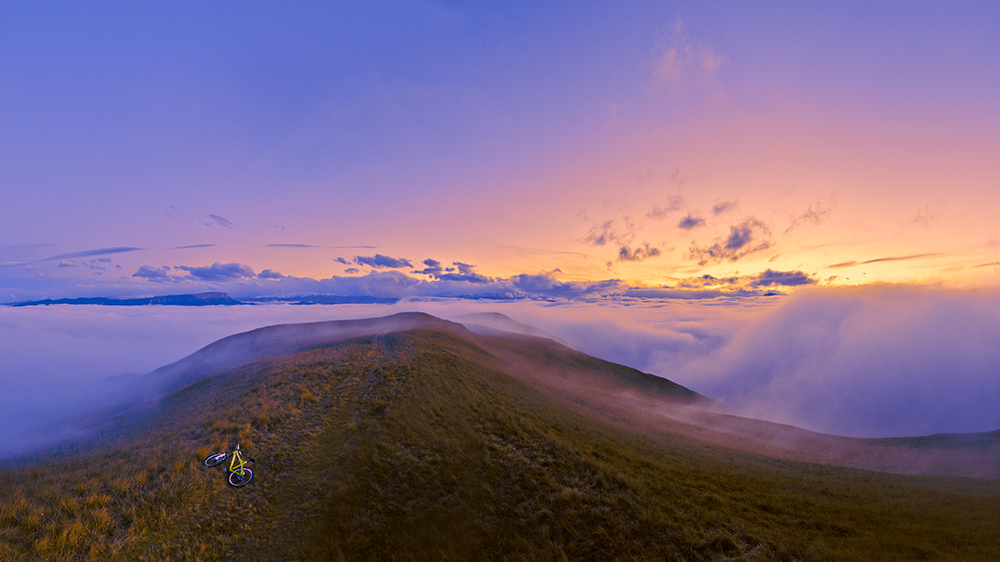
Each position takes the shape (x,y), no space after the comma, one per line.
(352,270)
(669,69)
(219,271)
(903,258)
(220,221)
(610,232)
(723,207)
(461,272)
(157,274)
(690,221)
(341,260)
(674,203)
(433,267)
(771,278)
(465,274)
(745,238)
(270,274)
(926,217)
(809,216)
(710,281)
(193,246)
(381,261)
(545,285)
(747,284)
(66,263)
(871,361)
(853,263)
(91,253)
(100,265)
(640,253)
(684,62)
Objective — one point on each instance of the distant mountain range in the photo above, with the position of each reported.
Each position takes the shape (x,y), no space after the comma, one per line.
(209,299)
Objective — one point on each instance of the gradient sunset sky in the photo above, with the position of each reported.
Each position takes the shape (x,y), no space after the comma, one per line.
(522,148)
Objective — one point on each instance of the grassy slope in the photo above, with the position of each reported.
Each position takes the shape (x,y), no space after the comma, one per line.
(414,446)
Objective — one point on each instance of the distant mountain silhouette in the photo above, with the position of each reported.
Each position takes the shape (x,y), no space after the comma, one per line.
(198,299)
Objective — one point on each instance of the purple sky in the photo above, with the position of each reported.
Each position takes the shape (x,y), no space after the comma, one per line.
(655,167)
(166,148)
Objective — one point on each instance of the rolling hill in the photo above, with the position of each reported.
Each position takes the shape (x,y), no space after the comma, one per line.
(413,438)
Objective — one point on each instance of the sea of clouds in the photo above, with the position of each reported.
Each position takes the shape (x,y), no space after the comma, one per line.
(866,362)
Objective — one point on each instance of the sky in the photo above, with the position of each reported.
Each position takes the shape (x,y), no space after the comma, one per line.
(774,203)
(427,148)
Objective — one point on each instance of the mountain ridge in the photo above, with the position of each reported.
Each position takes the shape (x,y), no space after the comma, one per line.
(433,442)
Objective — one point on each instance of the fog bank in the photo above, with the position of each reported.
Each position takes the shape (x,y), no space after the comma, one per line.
(869,362)
(878,361)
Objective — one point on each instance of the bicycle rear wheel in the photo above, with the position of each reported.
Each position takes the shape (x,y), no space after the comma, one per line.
(216,459)
(240,479)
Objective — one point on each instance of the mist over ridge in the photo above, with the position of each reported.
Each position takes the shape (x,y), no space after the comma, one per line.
(866,362)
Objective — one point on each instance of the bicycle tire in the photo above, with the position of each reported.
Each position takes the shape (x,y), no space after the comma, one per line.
(236,479)
(216,459)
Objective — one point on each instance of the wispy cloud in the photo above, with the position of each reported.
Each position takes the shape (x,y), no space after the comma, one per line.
(674,204)
(853,263)
(610,232)
(926,216)
(684,61)
(811,215)
(220,221)
(723,207)
(14,263)
(91,253)
(193,246)
(903,258)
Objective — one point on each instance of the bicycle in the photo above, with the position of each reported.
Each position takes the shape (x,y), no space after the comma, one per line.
(239,475)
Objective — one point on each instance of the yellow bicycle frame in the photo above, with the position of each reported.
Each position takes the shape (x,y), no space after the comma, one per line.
(237,463)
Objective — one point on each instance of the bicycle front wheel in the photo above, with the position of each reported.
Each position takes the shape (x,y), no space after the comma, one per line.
(240,478)
(216,459)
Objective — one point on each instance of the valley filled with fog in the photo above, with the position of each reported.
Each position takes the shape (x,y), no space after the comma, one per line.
(872,362)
